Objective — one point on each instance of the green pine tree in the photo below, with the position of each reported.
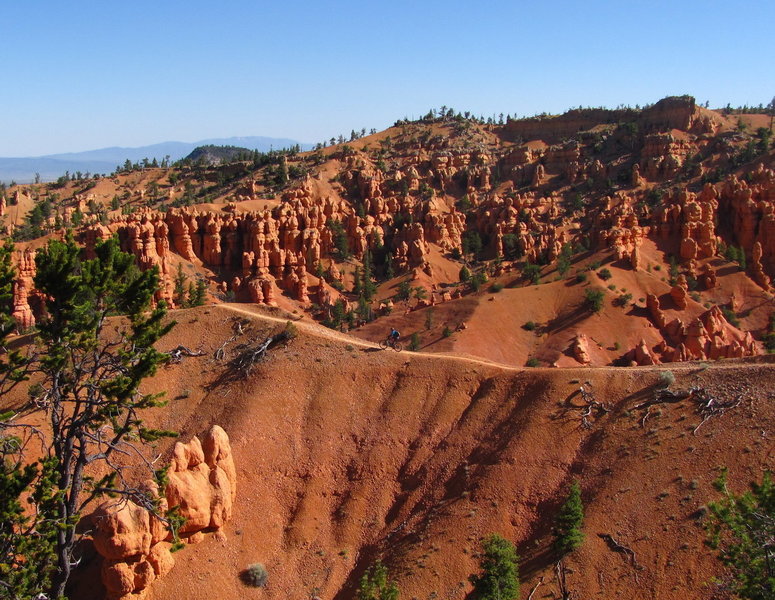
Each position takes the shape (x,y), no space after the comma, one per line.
(12,364)
(368,287)
(389,271)
(180,287)
(742,529)
(27,544)
(404,290)
(197,294)
(357,282)
(90,374)
(567,529)
(414,342)
(499,577)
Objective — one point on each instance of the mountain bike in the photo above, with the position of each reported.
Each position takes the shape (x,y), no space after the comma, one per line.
(390,343)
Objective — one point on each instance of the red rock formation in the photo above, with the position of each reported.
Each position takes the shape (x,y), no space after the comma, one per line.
(679,293)
(652,303)
(757,271)
(580,349)
(641,355)
(23,289)
(135,544)
(708,277)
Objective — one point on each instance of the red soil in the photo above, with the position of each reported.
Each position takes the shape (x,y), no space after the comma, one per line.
(346,454)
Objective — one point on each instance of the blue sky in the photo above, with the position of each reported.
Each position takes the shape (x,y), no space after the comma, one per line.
(88,74)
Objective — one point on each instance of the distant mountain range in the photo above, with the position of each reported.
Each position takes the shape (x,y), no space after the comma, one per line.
(105,160)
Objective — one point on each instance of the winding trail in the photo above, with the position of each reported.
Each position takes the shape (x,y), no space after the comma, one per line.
(331,334)
(325,332)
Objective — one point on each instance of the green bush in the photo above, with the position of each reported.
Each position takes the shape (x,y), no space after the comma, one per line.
(529,326)
(593,299)
(581,277)
(604,274)
(532,272)
(666,379)
(623,300)
(496,287)
(375,584)
(446,332)
(567,530)
(532,362)
(499,576)
(477,280)
(255,575)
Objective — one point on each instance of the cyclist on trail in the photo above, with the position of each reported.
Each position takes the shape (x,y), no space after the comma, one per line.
(394,335)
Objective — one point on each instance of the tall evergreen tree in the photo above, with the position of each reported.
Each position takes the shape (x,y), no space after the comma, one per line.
(499,577)
(91,370)
(567,529)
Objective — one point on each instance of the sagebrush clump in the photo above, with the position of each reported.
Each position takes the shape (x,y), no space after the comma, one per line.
(255,575)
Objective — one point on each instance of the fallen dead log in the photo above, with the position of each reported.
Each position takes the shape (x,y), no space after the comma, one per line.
(177,354)
(626,550)
(591,407)
(707,405)
(244,362)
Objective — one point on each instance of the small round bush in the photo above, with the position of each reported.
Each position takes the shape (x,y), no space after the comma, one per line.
(666,379)
(529,326)
(581,277)
(255,575)
(532,362)
(496,287)
(604,274)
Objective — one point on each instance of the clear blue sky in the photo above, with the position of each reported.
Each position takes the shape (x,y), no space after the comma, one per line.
(87,74)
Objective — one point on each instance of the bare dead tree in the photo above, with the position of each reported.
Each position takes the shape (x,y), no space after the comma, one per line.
(592,406)
(707,405)
(560,571)
(244,362)
(238,329)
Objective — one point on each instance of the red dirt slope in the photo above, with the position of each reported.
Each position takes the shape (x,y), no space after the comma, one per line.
(346,454)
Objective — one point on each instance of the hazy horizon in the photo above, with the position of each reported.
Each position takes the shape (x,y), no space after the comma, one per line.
(83,78)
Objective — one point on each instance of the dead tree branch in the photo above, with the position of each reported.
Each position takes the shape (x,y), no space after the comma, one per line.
(535,587)
(176,354)
(591,407)
(626,550)
(238,329)
(706,404)
(560,571)
(244,362)
(617,547)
